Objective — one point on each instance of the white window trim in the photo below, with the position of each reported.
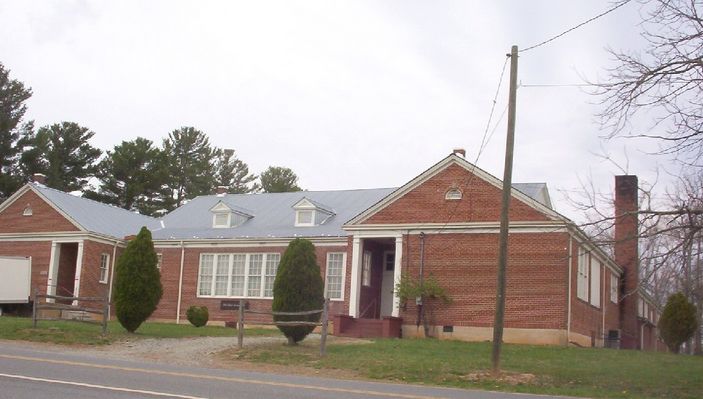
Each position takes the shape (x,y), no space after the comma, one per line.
(159,260)
(614,285)
(101,279)
(583,279)
(297,217)
(344,275)
(27,211)
(229,275)
(595,288)
(221,226)
(448,194)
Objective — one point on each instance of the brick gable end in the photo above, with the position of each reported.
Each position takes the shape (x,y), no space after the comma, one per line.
(44,217)
(426,203)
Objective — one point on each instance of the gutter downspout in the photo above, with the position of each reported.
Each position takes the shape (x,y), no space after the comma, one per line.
(603,302)
(180,286)
(112,280)
(568,298)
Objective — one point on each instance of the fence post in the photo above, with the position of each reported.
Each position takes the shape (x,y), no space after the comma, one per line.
(240,325)
(106,306)
(323,333)
(34,308)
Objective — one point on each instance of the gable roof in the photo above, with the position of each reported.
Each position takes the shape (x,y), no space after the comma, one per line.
(88,215)
(534,195)
(274,214)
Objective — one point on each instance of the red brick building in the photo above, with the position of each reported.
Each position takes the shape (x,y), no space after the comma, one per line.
(561,288)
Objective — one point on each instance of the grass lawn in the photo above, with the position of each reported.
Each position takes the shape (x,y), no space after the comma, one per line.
(71,332)
(602,373)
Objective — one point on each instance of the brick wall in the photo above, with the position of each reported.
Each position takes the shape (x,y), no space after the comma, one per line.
(90,271)
(426,204)
(44,218)
(170,273)
(466,264)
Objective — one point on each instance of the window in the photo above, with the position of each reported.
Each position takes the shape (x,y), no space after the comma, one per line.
(221,275)
(453,194)
(305,217)
(595,283)
(104,267)
(582,277)
(159,260)
(220,219)
(389,261)
(272,262)
(641,308)
(334,276)
(205,275)
(366,269)
(239,262)
(614,285)
(237,275)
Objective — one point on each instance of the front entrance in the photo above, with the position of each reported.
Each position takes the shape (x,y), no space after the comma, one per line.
(387,283)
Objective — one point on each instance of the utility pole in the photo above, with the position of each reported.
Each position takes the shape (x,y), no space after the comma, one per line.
(504,220)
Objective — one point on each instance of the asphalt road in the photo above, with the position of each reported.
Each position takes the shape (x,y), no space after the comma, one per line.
(30,373)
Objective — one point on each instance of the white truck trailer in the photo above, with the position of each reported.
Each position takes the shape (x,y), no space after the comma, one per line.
(15,280)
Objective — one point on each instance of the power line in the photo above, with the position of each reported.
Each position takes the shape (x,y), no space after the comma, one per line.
(558,85)
(575,27)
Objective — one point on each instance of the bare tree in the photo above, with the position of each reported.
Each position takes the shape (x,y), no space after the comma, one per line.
(663,82)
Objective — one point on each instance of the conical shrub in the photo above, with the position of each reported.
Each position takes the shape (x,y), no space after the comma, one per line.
(298,287)
(137,289)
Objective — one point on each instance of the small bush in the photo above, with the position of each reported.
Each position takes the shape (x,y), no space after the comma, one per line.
(198,315)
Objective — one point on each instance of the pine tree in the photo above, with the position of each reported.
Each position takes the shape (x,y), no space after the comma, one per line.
(62,152)
(132,176)
(13,95)
(677,322)
(137,287)
(190,159)
(233,173)
(277,179)
(298,287)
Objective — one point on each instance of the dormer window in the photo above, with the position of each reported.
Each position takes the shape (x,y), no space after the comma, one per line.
(221,219)
(225,216)
(310,213)
(453,194)
(305,217)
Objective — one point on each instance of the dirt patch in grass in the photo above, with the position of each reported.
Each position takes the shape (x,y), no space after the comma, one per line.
(504,378)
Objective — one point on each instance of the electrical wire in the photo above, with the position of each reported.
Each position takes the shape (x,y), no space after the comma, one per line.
(574,27)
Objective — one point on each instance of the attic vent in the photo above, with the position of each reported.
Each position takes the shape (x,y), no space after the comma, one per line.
(27,210)
(453,194)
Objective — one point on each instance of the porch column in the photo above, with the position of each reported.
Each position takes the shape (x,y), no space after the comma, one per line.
(79,267)
(52,277)
(355,291)
(397,274)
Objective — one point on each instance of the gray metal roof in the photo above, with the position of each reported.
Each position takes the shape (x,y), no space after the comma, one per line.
(274,214)
(536,191)
(97,217)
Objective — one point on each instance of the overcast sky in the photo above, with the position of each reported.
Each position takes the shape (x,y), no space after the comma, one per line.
(349,94)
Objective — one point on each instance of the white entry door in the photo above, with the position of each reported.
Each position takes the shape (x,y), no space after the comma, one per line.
(387,285)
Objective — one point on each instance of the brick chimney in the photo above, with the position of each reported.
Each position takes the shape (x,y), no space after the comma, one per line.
(460,152)
(39,178)
(627,256)
(221,191)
